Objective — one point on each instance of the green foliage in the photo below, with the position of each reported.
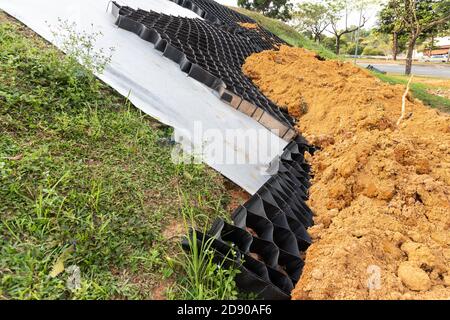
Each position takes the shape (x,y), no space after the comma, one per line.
(350,49)
(80,167)
(371,51)
(312,18)
(204,276)
(422,19)
(329,43)
(338,16)
(390,18)
(419,19)
(80,45)
(377,44)
(278,9)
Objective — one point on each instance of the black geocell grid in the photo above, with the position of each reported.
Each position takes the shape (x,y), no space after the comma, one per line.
(210,55)
(269,232)
(229,20)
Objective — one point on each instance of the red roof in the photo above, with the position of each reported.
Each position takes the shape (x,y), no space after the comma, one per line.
(437,51)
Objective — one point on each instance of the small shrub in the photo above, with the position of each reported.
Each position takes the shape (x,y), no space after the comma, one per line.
(204,278)
(369,51)
(81,45)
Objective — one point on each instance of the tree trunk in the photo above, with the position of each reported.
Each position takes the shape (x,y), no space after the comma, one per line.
(409,55)
(317,38)
(431,46)
(394,45)
(338,44)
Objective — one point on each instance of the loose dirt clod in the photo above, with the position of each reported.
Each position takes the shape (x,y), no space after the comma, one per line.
(248,25)
(444,93)
(380,193)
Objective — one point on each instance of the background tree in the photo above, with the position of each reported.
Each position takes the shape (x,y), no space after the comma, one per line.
(278,9)
(421,17)
(311,18)
(338,13)
(377,44)
(392,23)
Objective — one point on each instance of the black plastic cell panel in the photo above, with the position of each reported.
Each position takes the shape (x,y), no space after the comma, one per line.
(255,266)
(229,233)
(259,206)
(300,171)
(274,183)
(292,203)
(300,233)
(280,279)
(269,232)
(285,240)
(203,53)
(289,211)
(255,260)
(293,266)
(303,217)
(253,276)
(289,180)
(258,226)
(230,20)
(264,251)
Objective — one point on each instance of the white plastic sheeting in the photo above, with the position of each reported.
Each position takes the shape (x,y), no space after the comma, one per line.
(157,86)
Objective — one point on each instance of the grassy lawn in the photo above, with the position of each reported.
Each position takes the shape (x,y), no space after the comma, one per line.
(87,180)
(420,87)
(401,62)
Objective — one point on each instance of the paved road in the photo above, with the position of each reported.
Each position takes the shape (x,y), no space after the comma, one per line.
(438,71)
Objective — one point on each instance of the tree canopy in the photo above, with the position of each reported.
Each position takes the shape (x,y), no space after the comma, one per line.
(311,18)
(279,9)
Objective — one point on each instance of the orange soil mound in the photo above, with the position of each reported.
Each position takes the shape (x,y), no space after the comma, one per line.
(380,193)
(248,25)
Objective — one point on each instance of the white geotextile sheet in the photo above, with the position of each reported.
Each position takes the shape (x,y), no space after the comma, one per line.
(157,86)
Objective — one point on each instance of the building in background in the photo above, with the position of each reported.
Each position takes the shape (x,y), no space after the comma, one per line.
(441,47)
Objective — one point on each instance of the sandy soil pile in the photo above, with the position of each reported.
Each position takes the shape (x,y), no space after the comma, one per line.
(248,25)
(380,194)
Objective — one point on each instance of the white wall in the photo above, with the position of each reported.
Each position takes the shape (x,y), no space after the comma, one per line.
(444,41)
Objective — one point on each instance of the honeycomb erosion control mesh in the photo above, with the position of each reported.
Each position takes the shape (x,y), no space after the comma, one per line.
(230,20)
(212,53)
(269,233)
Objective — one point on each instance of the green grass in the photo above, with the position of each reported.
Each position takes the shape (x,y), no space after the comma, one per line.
(207,276)
(87,180)
(287,33)
(419,91)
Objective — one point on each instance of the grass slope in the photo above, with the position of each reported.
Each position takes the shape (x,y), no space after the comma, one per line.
(85,180)
(287,33)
